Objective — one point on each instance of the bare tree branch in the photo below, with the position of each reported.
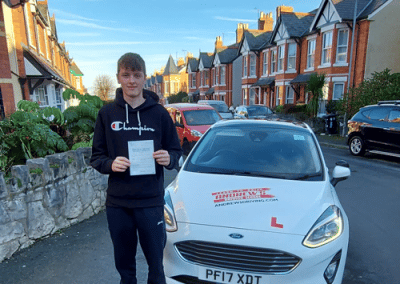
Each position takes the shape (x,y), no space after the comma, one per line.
(104,87)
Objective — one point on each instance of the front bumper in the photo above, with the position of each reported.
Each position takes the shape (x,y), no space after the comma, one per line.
(309,270)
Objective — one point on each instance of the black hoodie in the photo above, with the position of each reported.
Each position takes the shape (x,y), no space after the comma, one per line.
(116,124)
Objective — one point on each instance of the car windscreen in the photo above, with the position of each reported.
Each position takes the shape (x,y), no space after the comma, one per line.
(220,107)
(257,151)
(201,117)
(258,110)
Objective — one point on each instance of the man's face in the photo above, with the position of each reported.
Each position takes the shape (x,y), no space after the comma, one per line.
(132,82)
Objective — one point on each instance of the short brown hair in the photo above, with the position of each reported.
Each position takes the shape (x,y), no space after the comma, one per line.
(132,61)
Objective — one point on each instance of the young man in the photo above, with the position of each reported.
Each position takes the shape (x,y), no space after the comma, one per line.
(134,138)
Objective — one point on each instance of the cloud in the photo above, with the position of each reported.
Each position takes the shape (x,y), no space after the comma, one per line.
(111,43)
(92,25)
(234,19)
(79,34)
(74,16)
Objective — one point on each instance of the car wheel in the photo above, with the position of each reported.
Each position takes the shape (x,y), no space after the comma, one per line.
(356,146)
(186,147)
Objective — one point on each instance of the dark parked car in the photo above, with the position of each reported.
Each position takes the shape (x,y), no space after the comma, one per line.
(252,111)
(376,129)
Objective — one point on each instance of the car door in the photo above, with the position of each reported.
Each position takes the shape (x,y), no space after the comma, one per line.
(374,132)
(393,129)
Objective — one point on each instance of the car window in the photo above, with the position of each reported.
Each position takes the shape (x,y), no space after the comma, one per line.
(258,110)
(179,117)
(220,107)
(258,151)
(394,116)
(379,113)
(201,117)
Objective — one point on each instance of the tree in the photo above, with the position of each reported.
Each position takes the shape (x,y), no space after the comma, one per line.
(382,86)
(315,85)
(104,87)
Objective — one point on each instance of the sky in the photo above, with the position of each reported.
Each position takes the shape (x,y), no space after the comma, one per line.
(98,32)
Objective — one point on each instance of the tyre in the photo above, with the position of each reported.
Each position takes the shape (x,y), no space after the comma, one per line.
(186,148)
(357,146)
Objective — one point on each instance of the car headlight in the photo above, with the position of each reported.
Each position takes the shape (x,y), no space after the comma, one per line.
(328,227)
(196,133)
(169,214)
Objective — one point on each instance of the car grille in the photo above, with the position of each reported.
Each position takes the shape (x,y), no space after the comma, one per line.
(241,258)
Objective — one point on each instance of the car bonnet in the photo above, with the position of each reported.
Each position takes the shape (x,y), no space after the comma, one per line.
(250,203)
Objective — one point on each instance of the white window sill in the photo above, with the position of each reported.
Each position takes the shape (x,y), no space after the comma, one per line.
(309,69)
(341,64)
(324,66)
(280,72)
(291,71)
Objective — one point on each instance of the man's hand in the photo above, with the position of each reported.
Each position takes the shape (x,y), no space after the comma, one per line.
(120,164)
(162,157)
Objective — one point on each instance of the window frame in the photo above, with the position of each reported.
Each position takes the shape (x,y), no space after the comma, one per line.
(223,75)
(338,55)
(335,84)
(311,56)
(326,51)
(245,74)
(265,62)
(281,57)
(253,65)
(293,57)
(273,61)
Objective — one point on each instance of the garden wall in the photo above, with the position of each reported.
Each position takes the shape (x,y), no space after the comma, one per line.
(46,195)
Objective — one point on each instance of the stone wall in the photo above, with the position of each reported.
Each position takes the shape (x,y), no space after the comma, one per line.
(46,195)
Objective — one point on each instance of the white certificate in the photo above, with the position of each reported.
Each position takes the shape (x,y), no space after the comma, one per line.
(141,157)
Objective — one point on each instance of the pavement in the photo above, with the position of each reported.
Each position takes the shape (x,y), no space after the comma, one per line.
(332,140)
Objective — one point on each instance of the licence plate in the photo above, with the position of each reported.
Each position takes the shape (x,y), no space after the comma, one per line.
(225,276)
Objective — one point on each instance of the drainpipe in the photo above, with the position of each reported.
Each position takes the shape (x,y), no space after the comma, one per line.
(350,66)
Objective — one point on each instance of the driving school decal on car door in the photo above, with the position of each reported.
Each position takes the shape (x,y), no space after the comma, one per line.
(240,196)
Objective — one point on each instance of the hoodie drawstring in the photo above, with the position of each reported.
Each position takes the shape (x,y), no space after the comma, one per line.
(126,108)
(140,124)
(138,117)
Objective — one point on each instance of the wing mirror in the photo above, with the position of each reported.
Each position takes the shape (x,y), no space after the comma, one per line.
(340,172)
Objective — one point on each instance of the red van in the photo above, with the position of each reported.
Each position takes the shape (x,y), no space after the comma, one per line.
(191,121)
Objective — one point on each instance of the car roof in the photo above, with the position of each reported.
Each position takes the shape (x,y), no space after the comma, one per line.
(384,104)
(286,124)
(188,106)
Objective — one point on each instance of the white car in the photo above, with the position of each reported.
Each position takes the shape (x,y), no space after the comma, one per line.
(254,204)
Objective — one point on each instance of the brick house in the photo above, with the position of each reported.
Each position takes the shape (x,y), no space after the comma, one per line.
(35,66)
(193,78)
(319,42)
(225,73)
(204,70)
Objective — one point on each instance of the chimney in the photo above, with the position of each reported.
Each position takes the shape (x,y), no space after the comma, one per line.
(266,22)
(218,42)
(282,9)
(240,31)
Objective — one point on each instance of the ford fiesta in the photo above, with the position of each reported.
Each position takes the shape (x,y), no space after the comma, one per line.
(254,203)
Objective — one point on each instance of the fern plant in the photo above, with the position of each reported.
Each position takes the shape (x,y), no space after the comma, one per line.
(80,120)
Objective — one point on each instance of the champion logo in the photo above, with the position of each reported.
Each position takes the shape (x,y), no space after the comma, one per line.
(116,125)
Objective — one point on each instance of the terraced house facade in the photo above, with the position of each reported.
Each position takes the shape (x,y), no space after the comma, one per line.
(276,62)
(34,64)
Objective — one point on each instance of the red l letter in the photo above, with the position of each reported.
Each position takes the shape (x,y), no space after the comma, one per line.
(274,224)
